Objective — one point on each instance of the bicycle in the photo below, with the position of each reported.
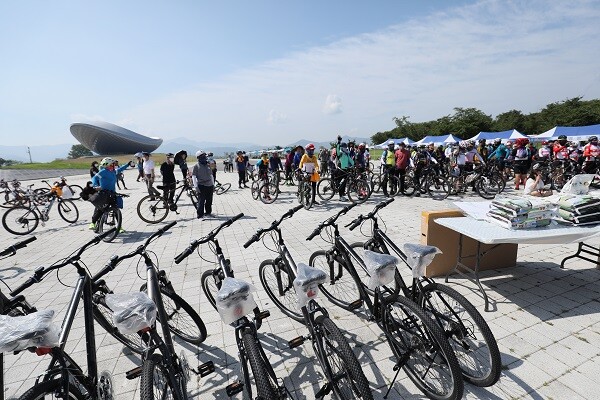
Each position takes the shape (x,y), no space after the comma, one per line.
(246,331)
(341,368)
(24,219)
(14,306)
(418,344)
(174,369)
(304,192)
(111,217)
(483,183)
(357,189)
(387,181)
(466,330)
(72,192)
(153,209)
(433,183)
(64,378)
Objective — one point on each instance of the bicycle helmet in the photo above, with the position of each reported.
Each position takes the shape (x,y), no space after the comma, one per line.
(463,144)
(106,161)
(593,139)
(310,146)
(562,137)
(203,153)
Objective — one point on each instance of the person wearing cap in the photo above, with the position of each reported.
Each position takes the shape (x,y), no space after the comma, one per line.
(309,164)
(203,182)
(240,162)
(180,159)
(388,160)
(149,174)
(167,170)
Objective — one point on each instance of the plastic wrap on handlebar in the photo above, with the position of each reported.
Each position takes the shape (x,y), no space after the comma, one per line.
(25,242)
(183,255)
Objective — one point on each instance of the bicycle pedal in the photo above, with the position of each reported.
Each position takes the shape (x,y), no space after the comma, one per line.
(355,304)
(134,373)
(234,388)
(263,315)
(296,342)
(205,369)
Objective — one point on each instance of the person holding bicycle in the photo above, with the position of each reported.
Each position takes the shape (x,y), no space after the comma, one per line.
(310,165)
(204,184)
(241,168)
(388,160)
(105,182)
(167,170)
(149,174)
(591,152)
(345,162)
(402,161)
(263,166)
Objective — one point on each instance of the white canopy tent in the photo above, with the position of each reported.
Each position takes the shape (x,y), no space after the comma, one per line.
(404,140)
(504,135)
(573,133)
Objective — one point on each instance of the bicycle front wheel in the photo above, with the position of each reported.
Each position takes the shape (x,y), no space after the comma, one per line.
(359,191)
(222,188)
(75,191)
(50,390)
(111,218)
(437,187)
(20,220)
(346,374)
(254,190)
(183,320)
(155,383)
(279,286)
(469,335)
(152,209)
(266,388)
(209,286)
(68,211)
(325,189)
(429,360)
(268,192)
(487,188)
(341,288)
(306,196)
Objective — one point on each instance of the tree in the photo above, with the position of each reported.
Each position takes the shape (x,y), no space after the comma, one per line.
(468,122)
(79,150)
(513,119)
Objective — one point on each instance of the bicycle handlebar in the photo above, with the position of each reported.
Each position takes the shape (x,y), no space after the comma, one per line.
(356,222)
(210,236)
(41,272)
(12,250)
(330,221)
(275,224)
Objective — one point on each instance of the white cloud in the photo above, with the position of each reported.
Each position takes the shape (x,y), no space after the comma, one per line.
(333,104)
(275,117)
(493,55)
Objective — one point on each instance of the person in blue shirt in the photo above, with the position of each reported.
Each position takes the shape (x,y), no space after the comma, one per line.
(105,181)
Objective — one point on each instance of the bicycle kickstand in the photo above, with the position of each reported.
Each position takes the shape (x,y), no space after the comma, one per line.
(396,368)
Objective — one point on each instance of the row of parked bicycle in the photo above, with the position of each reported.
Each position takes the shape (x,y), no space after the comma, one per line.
(436,335)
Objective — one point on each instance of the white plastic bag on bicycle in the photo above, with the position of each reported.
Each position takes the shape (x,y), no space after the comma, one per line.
(234,299)
(307,283)
(67,193)
(31,330)
(132,312)
(381,267)
(419,256)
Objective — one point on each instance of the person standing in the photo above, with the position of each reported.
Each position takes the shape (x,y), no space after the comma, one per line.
(140,168)
(213,166)
(310,165)
(180,159)
(167,170)
(402,161)
(120,176)
(323,160)
(149,174)
(204,184)
(240,163)
(94,169)
(388,160)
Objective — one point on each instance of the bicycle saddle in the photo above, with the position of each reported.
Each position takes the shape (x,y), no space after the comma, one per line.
(234,291)
(308,276)
(379,262)
(419,256)
(32,330)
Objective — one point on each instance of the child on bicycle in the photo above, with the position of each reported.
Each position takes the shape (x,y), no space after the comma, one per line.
(309,164)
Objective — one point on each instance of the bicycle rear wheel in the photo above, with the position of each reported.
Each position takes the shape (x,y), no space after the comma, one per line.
(268,192)
(152,209)
(430,362)
(68,211)
(437,187)
(20,220)
(341,288)
(75,191)
(325,189)
(347,377)
(111,218)
(375,183)
(279,286)
(266,388)
(222,188)
(183,320)
(469,335)
(155,383)
(359,191)
(49,390)
(306,197)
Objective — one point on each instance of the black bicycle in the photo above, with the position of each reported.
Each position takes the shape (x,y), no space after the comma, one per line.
(153,209)
(111,216)
(418,344)
(64,378)
(358,188)
(246,331)
(466,330)
(343,372)
(163,373)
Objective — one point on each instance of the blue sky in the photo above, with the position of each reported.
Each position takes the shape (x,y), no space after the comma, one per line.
(273,72)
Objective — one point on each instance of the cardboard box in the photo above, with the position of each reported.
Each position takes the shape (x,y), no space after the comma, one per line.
(433,234)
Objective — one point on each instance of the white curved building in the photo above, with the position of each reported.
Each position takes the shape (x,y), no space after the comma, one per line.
(107,138)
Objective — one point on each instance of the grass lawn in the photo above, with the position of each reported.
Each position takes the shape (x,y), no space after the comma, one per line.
(82,163)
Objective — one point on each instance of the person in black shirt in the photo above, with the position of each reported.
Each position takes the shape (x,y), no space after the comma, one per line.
(94,169)
(167,170)
(180,159)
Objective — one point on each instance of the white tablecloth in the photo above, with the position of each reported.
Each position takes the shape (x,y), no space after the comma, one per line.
(489,233)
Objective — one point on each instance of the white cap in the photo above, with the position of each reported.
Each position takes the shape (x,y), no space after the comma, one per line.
(200,152)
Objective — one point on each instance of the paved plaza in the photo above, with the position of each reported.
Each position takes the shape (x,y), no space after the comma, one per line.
(546,319)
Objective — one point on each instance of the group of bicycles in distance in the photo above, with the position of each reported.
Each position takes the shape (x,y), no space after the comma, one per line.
(436,336)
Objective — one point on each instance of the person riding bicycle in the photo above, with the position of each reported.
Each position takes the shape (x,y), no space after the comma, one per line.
(167,170)
(310,165)
(105,182)
(360,158)
(345,162)
(591,152)
(275,162)
(388,161)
